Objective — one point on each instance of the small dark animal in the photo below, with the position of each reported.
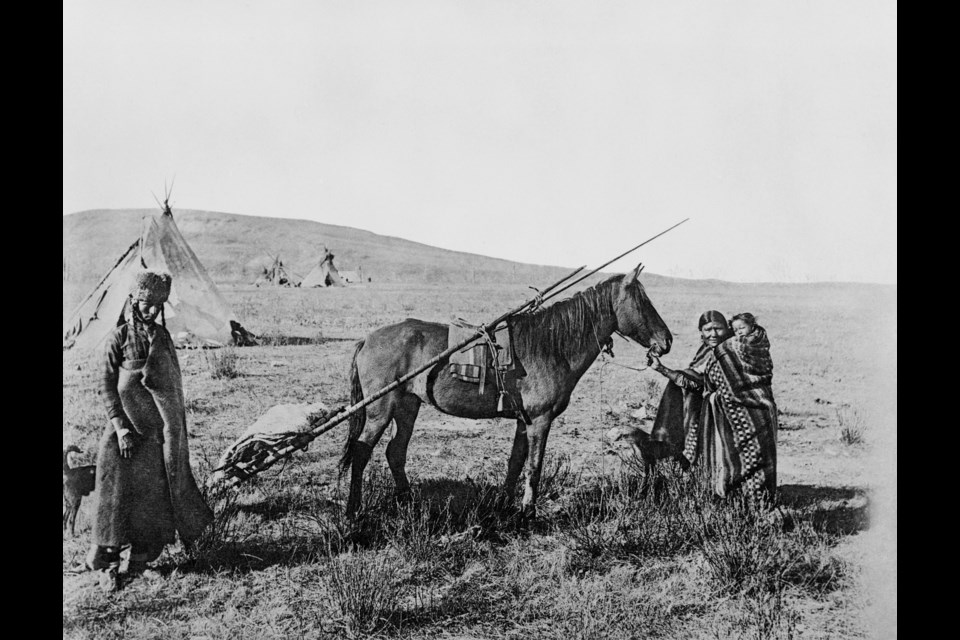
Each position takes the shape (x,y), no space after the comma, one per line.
(77,482)
(649,451)
(642,446)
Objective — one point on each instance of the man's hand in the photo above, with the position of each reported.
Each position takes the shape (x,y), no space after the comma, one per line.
(127,445)
(125,438)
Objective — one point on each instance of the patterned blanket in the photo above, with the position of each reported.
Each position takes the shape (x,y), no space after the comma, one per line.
(470,364)
(738,421)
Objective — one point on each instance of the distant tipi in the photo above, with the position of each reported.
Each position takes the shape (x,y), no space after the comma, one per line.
(325,274)
(196,313)
(276,274)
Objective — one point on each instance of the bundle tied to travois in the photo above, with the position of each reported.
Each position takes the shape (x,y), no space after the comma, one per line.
(282,426)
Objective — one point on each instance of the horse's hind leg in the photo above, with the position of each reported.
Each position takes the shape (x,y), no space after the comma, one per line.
(379,414)
(404,415)
(518,455)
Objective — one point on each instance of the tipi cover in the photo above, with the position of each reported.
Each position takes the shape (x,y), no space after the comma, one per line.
(276,274)
(324,274)
(196,313)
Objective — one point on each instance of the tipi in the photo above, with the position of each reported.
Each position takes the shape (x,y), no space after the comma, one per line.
(196,313)
(324,274)
(276,274)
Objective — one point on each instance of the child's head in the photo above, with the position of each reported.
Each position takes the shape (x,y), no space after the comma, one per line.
(743,324)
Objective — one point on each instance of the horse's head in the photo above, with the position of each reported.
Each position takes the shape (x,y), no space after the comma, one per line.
(637,318)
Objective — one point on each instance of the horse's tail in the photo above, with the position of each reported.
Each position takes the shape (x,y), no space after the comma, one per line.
(359,418)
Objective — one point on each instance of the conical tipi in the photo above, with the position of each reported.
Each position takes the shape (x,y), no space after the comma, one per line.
(196,313)
(276,274)
(324,274)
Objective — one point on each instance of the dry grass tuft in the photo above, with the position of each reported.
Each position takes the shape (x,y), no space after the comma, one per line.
(852,428)
(222,363)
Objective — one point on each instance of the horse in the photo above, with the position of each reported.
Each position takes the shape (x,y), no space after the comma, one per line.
(554,346)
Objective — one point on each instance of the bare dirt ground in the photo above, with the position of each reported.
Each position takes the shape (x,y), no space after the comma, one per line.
(835,383)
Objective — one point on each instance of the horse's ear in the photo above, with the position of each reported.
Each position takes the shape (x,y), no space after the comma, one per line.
(632,276)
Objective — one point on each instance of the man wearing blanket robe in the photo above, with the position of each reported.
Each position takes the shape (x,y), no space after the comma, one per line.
(146,489)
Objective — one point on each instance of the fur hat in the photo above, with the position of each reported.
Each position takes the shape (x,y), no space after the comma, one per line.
(152,286)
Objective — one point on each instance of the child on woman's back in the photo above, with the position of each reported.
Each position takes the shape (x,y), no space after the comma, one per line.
(743,324)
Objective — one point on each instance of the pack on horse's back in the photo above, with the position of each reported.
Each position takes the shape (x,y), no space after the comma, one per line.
(489,359)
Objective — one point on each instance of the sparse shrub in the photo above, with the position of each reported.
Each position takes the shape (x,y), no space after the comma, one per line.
(198,405)
(768,617)
(414,530)
(222,363)
(772,618)
(851,427)
(364,588)
(651,388)
(556,476)
(629,515)
(749,552)
(222,538)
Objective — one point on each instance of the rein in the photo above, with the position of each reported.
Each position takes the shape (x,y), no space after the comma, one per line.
(607,349)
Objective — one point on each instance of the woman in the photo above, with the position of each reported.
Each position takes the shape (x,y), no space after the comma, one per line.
(146,490)
(734,427)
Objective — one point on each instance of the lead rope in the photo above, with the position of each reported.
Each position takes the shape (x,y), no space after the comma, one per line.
(605,350)
(604,361)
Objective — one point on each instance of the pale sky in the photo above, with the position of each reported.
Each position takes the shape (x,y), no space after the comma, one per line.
(551,132)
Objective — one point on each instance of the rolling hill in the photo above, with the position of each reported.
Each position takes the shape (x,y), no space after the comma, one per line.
(234,247)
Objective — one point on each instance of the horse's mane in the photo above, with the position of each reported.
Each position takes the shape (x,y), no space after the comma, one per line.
(566,328)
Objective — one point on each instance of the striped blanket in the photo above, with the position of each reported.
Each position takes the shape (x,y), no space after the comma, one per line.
(471,363)
(738,422)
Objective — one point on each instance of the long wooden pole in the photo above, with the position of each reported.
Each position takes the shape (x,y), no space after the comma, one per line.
(587,275)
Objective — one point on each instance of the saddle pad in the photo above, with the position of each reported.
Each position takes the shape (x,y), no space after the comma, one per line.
(478,354)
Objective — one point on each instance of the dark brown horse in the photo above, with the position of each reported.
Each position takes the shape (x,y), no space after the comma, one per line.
(554,346)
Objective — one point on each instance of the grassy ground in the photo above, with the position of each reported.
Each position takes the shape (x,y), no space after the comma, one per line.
(610,555)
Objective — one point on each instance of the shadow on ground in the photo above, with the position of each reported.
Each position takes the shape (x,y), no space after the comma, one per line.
(285,341)
(836,510)
(277,506)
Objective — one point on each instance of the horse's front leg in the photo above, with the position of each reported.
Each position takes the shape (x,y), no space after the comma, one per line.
(537,443)
(518,455)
